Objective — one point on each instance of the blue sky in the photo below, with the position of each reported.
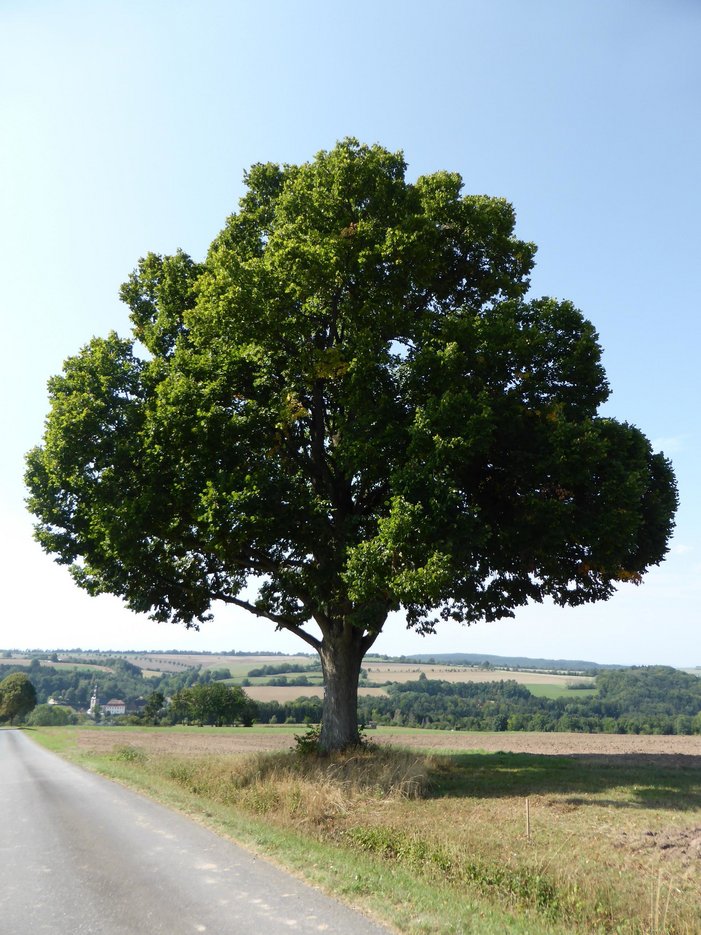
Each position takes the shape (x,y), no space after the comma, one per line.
(127,126)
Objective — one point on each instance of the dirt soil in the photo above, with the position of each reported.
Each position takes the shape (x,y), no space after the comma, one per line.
(683,844)
(672,750)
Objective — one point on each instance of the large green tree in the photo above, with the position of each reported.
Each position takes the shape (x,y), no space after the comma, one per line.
(348,408)
(17,696)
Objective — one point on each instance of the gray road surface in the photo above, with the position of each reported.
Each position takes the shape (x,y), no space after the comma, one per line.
(80,855)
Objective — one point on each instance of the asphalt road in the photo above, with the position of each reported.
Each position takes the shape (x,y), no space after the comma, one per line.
(80,855)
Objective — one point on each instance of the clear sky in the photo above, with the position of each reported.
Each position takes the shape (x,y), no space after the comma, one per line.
(126,127)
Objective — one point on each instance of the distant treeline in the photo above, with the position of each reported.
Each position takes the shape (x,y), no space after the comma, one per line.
(648,700)
(645,700)
(507,662)
(284,668)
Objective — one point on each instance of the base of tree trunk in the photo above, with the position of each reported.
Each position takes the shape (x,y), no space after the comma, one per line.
(340,661)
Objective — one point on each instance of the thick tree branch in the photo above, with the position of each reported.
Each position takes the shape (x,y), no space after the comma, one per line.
(282,622)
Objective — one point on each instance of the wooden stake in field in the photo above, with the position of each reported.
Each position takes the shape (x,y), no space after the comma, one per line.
(528,819)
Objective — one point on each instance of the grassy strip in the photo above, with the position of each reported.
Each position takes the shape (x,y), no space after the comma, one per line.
(544,690)
(436,844)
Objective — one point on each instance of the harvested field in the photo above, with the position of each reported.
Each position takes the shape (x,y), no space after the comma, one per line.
(47,664)
(682,749)
(213,660)
(407,672)
(283,693)
(193,742)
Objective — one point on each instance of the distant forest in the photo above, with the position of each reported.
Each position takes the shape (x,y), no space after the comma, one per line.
(645,700)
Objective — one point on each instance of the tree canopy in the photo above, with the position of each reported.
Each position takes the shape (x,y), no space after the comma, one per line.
(17,696)
(350,407)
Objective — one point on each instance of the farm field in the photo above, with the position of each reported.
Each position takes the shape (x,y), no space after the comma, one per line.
(238,665)
(379,672)
(542,683)
(190,741)
(284,693)
(430,832)
(45,663)
(407,672)
(549,743)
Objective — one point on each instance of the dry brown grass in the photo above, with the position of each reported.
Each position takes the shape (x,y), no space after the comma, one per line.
(301,790)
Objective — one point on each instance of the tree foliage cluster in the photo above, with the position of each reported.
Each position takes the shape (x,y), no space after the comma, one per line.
(219,674)
(17,696)
(650,700)
(351,406)
(51,715)
(283,669)
(211,704)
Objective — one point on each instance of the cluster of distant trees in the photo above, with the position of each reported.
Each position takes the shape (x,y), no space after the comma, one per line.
(212,704)
(283,669)
(647,700)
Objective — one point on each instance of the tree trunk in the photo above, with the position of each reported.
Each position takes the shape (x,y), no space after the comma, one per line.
(341,657)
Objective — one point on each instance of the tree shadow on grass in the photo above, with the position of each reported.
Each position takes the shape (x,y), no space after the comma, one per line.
(645,781)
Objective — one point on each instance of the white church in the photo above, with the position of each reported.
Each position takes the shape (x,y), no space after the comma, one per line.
(109,708)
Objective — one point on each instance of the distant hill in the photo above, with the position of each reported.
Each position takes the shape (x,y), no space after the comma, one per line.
(185,658)
(511,662)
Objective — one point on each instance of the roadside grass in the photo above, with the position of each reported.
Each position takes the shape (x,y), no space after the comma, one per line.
(438,843)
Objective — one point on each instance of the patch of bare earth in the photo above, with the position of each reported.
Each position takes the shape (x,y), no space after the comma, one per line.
(669,843)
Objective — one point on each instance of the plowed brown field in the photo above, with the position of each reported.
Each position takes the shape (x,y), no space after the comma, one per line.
(195,743)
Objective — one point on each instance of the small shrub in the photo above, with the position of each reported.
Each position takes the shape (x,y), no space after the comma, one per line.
(307,744)
(129,754)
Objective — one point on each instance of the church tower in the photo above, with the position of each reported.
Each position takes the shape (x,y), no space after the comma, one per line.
(93,701)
